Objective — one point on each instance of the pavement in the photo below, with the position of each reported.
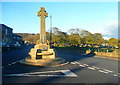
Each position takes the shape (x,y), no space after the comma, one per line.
(108,57)
(81,68)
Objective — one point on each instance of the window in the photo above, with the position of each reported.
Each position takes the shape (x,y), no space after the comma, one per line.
(6,31)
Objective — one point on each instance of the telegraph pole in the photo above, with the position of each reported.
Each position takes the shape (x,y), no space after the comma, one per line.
(50,31)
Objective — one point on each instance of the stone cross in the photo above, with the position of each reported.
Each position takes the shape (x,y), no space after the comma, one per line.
(42,14)
(42,54)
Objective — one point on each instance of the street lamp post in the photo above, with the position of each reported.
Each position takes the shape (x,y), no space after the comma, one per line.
(50,31)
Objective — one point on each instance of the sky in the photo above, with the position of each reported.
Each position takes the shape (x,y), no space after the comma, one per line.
(96,17)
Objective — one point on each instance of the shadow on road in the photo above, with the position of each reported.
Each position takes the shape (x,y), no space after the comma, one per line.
(73,53)
(13,55)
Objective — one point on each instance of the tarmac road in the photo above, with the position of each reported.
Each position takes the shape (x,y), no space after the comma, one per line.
(81,68)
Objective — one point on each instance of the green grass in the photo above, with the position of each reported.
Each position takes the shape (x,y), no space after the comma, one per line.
(83,49)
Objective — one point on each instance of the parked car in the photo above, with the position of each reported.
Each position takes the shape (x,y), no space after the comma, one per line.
(14,45)
(2,44)
(17,44)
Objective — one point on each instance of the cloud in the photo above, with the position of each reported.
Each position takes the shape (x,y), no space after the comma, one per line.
(111,30)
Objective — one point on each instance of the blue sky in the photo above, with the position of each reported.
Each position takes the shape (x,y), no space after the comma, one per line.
(96,17)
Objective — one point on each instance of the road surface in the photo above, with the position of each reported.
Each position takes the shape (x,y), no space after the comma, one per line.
(81,68)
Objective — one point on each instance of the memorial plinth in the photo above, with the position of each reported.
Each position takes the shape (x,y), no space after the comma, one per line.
(42,54)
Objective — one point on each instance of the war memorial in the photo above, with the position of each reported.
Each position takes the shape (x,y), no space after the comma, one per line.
(42,54)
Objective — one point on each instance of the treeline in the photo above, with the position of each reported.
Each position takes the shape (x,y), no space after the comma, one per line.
(28,37)
(71,37)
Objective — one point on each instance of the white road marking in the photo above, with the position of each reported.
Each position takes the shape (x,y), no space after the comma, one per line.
(82,65)
(14,62)
(77,63)
(73,63)
(91,68)
(20,60)
(108,70)
(43,72)
(9,64)
(67,73)
(103,71)
(86,64)
(115,75)
(37,75)
(95,67)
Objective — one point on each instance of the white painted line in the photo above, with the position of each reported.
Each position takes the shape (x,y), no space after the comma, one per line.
(43,72)
(77,63)
(103,71)
(73,62)
(86,64)
(37,75)
(82,65)
(91,68)
(51,75)
(108,70)
(14,62)
(21,59)
(9,64)
(95,67)
(67,73)
(115,75)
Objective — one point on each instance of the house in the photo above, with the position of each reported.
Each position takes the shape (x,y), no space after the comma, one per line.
(6,34)
(8,37)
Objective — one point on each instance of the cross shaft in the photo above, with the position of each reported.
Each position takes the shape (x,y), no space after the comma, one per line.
(42,14)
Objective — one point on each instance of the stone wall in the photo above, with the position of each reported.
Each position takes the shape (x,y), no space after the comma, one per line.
(110,54)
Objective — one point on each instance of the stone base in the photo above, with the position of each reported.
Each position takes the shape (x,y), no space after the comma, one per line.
(45,62)
(43,55)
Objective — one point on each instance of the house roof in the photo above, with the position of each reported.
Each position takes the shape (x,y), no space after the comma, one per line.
(2,26)
(17,35)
